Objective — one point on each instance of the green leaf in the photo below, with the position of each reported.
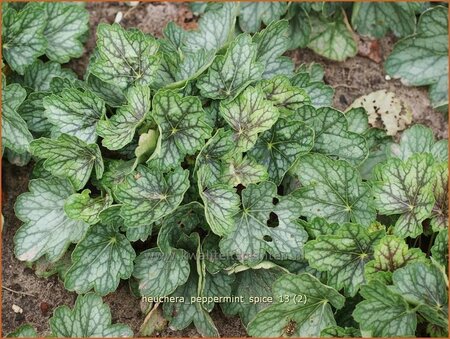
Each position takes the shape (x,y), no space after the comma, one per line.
(262,226)
(384,313)
(285,97)
(319,94)
(332,136)
(332,37)
(343,255)
(420,139)
(299,26)
(278,148)
(376,19)
(23,36)
(88,318)
(125,57)
(23,331)
(80,206)
(218,147)
(340,332)
(390,254)
(100,260)
(248,115)
(75,113)
(422,59)
(183,220)
(47,230)
(272,42)
(241,170)
(334,190)
(439,251)
(15,133)
(306,318)
(32,111)
(148,195)
(252,14)
(159,274)
(423,284)
(65,26)
(183,128)
(319,226)
(406,189)
(221,201)
(184,312)
(109,92)
(69,157)
(118,131)
(252,283)
(215,28)
(229,74)
(39,75)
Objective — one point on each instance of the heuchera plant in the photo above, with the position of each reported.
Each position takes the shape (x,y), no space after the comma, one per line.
(233,170)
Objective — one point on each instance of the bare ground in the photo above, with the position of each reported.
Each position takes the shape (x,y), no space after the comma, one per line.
(351,79)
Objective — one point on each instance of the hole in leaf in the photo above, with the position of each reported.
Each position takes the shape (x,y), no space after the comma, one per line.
(275,201)
(273,220)
(267,238)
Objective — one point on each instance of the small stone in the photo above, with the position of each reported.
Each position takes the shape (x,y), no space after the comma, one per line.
(387,77)
(17,309)
(119,17)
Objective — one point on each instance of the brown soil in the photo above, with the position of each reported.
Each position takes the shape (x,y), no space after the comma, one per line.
(353,78)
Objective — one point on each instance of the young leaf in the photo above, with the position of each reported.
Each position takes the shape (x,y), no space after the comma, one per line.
(251,14)
(182,125)
(248,284)
(420,139)
(422,58)
(283,95)
(423,284)
(88,318)
(100,260)
(332,136)
(384,313)
(241,170)
(319,94)
(47,229)
(160,274)
(23,37)
(376,19)
(406,188)
(332,37)
(118,131)
(221,201)
(23,331)
(80,206)
(343,255)
(65,25)
(69,157)
(333,189)
(390,254)
(278,148)
(148,195)
(262,226)
(15,133)
(75,113)
(319,226)
(124,57)
(229,74)
(293,318)
(272,42)
(248,115)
